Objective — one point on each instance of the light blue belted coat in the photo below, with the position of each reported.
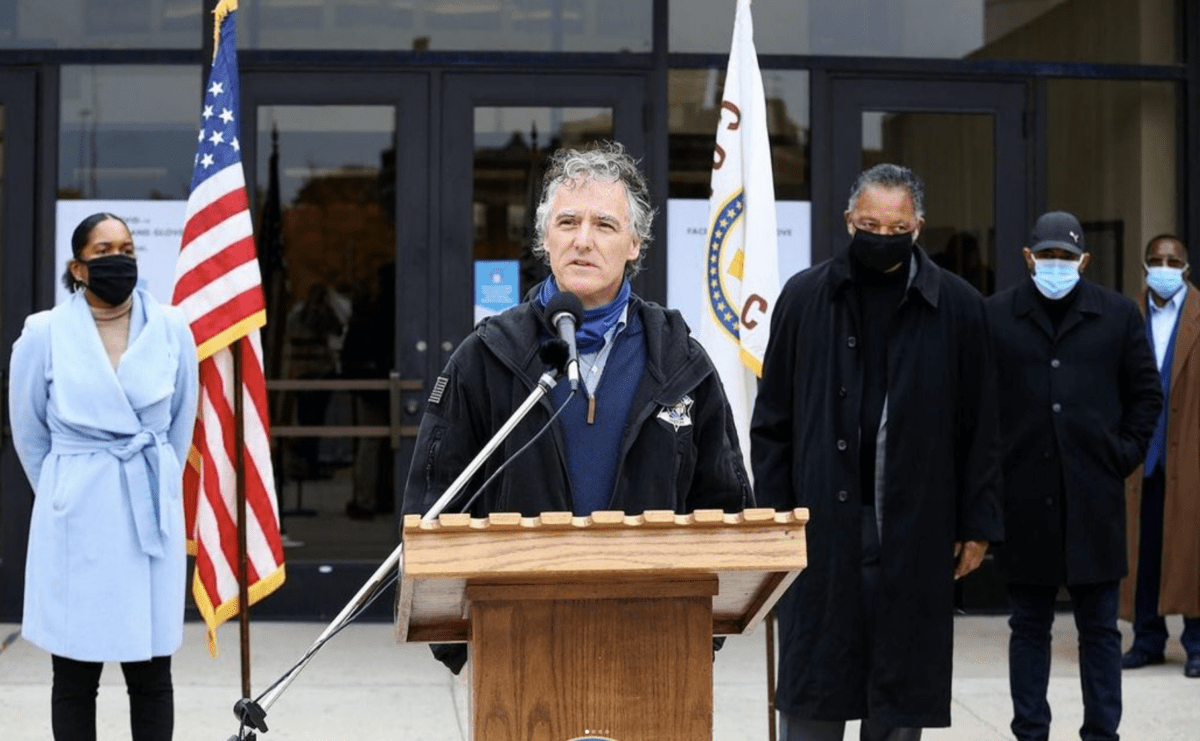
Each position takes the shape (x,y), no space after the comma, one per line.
(106,567)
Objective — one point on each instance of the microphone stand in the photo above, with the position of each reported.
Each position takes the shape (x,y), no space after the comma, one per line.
(252,713)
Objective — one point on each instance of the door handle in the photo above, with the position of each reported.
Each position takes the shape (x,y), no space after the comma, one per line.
(394,408)
(5,430)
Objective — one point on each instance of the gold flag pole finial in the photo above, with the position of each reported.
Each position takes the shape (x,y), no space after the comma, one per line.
(224,8)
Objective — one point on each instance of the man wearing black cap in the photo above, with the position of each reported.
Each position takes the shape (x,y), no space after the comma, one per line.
(1079,399)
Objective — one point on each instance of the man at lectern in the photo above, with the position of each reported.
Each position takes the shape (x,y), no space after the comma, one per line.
(649,427)
(877,412)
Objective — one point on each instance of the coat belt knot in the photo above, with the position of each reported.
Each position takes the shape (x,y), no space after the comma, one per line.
(144,479)
(132,445)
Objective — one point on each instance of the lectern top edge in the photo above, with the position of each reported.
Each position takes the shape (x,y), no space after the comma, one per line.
(604,519)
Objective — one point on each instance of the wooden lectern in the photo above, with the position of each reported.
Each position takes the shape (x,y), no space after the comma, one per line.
(594,627)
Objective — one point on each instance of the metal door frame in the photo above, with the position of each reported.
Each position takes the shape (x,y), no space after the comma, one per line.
(20,255)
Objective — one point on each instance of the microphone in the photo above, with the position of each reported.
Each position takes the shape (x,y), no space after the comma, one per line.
(554,354)
(565,311)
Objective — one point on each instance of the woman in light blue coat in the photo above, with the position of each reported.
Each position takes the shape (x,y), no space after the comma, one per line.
(102,399)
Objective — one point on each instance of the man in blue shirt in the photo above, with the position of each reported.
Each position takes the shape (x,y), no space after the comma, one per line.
(1163,499)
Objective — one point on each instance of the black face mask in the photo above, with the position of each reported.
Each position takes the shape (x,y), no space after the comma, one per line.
(880,252)
(112,278)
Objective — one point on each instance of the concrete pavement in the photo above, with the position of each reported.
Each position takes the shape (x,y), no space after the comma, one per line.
(363,685)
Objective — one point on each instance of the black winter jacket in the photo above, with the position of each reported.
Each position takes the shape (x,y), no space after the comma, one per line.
(679,449)
(1077,409)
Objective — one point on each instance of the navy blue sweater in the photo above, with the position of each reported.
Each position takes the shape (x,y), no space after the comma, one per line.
(593,451)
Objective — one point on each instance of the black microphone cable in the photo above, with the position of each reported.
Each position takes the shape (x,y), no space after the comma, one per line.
(554,353)
(467,506)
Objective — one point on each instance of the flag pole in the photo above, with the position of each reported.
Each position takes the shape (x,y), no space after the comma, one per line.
(222,9)
(770,621)
(239,444)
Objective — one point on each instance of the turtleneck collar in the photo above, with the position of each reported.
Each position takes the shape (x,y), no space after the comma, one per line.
(107,314)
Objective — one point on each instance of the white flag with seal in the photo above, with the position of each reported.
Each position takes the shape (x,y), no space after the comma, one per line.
(741,280)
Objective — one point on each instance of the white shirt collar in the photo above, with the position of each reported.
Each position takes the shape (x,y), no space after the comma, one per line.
(1173,305)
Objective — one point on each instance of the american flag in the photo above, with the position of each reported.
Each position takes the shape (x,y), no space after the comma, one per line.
(219,289)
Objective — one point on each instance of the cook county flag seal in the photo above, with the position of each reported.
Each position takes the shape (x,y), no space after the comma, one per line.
(741,279)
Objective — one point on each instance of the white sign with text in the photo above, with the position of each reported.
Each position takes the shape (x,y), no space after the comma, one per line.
(687,229)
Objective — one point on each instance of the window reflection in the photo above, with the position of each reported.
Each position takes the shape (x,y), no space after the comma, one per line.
(499,25)
(1112,161)
(694,99)
(101,24)
(127,132)
(1061,30)
(326,234)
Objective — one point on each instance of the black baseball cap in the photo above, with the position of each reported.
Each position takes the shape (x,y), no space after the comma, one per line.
(1057,230)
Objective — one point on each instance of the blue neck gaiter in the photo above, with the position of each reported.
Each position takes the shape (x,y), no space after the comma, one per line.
(589,337)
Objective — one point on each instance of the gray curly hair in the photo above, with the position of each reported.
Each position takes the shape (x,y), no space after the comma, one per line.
(606,161)
(887,175)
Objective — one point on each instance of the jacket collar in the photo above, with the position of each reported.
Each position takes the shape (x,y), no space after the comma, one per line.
(516,335)
(88,392)
(1026,303)
(925,282)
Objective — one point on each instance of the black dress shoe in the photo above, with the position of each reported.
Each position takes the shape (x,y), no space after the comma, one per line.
(1136,658)
(1192,667)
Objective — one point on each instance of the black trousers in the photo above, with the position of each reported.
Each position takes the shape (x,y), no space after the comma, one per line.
(151,699)
(1095,607)
(804,729)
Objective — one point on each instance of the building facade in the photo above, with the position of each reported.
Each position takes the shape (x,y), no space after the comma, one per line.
(393,146)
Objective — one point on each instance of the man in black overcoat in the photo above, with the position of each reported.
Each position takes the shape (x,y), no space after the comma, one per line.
(1079,399)
(877,412)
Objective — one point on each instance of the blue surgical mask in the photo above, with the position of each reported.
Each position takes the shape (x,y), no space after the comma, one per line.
(1055,278)
(1164,280)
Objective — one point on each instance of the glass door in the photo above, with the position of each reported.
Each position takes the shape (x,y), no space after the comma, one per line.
(368,293)
(18,255)
(339,164)
(967,141)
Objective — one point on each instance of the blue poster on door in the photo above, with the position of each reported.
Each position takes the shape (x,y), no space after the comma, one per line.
(497,286)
